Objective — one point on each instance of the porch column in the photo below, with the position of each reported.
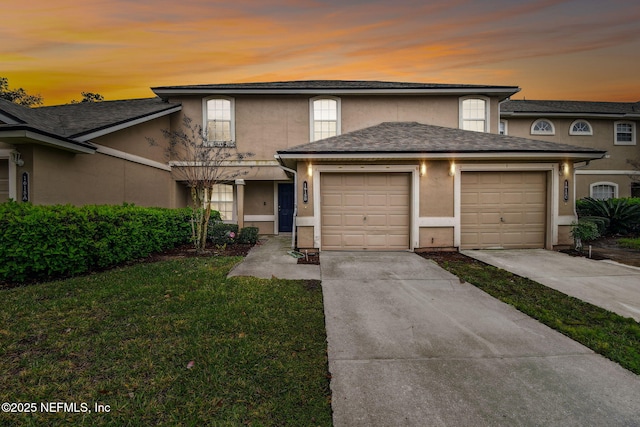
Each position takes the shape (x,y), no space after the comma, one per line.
(240,202)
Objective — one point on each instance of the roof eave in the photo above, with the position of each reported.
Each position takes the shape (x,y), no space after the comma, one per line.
(27,135)
(486,155)
(502,92)
(530,114)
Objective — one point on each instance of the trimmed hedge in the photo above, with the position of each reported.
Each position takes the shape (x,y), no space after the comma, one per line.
(45,242)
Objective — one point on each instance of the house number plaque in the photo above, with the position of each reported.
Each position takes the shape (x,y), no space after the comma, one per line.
(566,190)
(305,192)
(25,186)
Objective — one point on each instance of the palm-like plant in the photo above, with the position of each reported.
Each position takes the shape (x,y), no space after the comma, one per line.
(614,216)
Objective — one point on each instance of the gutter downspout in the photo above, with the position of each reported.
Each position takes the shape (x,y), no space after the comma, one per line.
(295,200)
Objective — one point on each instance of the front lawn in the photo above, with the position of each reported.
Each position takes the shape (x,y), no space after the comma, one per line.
(628,242)
(171,343)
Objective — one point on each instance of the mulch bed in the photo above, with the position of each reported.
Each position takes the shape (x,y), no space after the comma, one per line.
(312,258)
(187,251)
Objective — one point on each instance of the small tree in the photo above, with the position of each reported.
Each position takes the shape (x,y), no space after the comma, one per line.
(200,165)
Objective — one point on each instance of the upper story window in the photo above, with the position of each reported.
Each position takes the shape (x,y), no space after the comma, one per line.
(580,127)
(219,127)
(325,118)
(543,127)
(474,114)
(625,133)
(504,127)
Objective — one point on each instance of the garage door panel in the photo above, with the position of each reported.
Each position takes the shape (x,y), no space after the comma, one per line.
(503,209)
(382,198)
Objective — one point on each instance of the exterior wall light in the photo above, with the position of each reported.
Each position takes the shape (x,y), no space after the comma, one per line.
(564,169)
(423,169)
(17,158)
(452,169)
(309,170)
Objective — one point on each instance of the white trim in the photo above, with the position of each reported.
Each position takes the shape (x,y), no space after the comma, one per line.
(414,231)
(572,132)
(131,158)
(121,126)
(551,233)
(229,163)
(506,126)
(606,172)
(305,221)
(487,111)
(13,170)
(607,183)
(615,132)
(260,218)
(276,214)
(570,115)
(539,132)
(506,91)
(566,219)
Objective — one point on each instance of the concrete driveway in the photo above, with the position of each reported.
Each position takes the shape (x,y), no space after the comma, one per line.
(410,345)
(613,286)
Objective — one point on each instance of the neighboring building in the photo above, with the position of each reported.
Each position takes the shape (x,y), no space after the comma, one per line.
(607,126)
(344,165)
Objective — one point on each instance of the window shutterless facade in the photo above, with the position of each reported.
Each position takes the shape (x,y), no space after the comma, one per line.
(474,114)
(625,133)
(604,190)
(324,117)
(219,122)
(543,127)
(222,200)
(580,127)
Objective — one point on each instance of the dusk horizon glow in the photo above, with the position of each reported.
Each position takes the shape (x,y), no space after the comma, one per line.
(552,49)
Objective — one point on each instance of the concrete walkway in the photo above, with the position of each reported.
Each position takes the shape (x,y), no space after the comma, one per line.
(613,286)
(270,258)
(410,345)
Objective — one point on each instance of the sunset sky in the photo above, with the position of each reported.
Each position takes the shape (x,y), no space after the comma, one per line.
(552,49)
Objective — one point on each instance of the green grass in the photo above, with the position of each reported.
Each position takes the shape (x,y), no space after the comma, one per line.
(630,243)
(613,336)
(125,338)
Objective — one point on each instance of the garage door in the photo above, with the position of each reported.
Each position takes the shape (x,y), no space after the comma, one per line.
(503,210)
(365,211)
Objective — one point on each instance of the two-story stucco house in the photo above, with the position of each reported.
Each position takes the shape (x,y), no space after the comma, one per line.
(343,165)
(607,126)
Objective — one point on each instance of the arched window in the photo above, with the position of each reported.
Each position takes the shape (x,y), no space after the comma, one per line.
(218,118)
(543,127)
(474,114)
(580,127)
(603,190)
(324,117)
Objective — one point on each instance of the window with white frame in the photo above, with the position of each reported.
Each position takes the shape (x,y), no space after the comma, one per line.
(221,200)
(625,133)
(603,190)
(543,127)
(219,127)
(580,127)
(474,114)
(504,127)
(325,118)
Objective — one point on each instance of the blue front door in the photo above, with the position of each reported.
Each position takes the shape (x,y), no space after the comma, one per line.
(285,208)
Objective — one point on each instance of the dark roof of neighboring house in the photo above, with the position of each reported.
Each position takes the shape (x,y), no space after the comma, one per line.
(577,108)
(412,137)
(334,86)
(77,123)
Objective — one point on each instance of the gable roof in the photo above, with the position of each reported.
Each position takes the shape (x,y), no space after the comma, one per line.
(335,87)
(71,126)
(412,139)
(570,108)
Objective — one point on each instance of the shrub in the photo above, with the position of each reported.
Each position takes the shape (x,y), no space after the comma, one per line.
(248,235)
(614,216)
(584,231)
(44,242)
(221,234)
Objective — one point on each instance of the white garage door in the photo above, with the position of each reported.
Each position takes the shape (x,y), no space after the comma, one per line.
(503,210)
(365,211)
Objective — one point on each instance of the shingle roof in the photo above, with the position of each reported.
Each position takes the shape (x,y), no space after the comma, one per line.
(412,137)
(570,107)
(335,86)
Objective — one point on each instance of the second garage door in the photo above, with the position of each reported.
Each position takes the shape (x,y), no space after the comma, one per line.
(365,211)
(503,210)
